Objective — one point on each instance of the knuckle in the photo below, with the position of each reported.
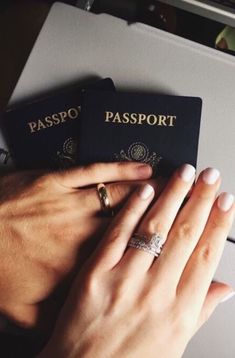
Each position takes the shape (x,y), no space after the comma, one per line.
(150,226)
(218,223)
(206,253)
(184,231)
(205,194)
(45,180)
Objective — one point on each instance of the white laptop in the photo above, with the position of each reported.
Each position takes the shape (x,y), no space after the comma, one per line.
(74,45)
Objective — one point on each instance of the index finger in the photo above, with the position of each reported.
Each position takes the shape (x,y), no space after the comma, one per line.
(103,173)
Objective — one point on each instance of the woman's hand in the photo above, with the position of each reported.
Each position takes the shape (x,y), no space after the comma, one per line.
(45,223)
(124,302)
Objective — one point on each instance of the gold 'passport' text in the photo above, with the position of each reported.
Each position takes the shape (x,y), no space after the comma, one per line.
(140,119)
(54,119)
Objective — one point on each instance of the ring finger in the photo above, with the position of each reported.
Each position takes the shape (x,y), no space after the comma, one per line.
(160,217)
(117,194)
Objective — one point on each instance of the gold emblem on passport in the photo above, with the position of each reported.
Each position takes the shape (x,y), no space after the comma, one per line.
(139,152)
(67,157)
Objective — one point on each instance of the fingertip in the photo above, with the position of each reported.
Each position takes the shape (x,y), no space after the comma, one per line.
(210,176)
(143,171)
(146,192)
(225,202)
(187,173)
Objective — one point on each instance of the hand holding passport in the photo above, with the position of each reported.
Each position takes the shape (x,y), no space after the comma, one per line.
(159,130)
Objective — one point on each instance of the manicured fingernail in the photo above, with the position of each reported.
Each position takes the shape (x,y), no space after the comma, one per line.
(187,172)
(225,201)
(210,176)
(146,192)
(226,298)
(144,170)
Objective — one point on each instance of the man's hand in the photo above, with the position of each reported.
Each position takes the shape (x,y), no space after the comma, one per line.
(46,221)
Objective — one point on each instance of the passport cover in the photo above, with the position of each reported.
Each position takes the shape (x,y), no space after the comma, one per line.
(160,130)
(44,133)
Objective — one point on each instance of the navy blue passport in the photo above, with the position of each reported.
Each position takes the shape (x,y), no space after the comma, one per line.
(160,130)
(44,133)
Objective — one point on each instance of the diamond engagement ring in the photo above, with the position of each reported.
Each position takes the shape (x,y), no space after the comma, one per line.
(152,244)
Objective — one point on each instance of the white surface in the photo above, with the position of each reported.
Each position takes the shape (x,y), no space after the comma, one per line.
(206,8)
(74,45)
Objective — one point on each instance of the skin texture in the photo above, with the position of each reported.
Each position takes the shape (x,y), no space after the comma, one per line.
(124,303)
(46,223)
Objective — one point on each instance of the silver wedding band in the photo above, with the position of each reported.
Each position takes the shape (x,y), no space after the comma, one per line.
(152,244)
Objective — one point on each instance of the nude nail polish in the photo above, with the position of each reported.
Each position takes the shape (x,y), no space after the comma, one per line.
(225,201)
(210,176)
(187,172)
(146,192)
